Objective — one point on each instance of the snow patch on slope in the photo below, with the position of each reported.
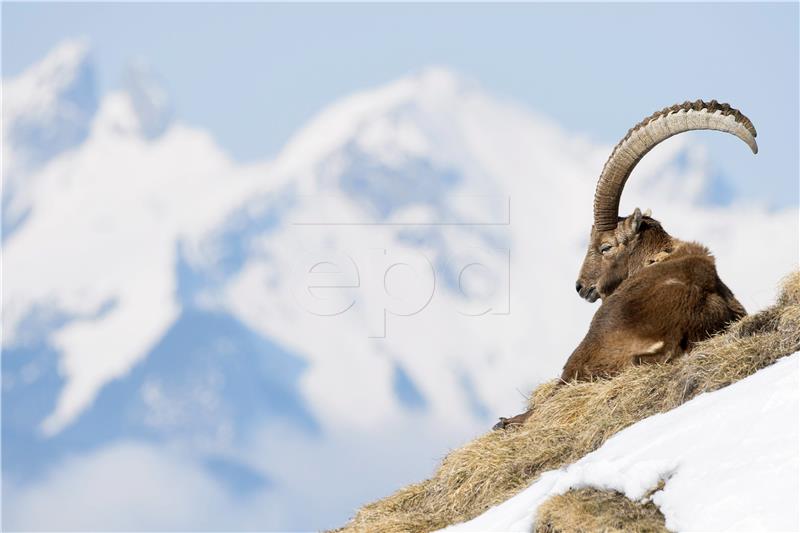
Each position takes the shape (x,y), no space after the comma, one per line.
(729,460)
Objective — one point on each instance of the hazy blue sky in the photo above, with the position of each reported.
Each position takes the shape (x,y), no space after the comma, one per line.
(253,73)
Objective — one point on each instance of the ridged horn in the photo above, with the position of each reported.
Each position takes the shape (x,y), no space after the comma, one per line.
(640,139)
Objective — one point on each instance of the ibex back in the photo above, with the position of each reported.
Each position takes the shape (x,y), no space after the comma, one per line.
(660,295)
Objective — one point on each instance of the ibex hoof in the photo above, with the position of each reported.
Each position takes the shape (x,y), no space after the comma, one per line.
(518,420)
(501,424)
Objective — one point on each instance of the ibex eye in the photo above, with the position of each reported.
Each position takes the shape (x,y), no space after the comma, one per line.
(605,248)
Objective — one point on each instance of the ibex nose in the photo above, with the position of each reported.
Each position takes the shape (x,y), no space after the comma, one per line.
(578,286)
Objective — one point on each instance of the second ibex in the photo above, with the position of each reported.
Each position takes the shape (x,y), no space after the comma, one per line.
(660,295)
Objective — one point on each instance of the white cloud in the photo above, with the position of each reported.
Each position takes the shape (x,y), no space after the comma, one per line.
(135,486)
(126,486)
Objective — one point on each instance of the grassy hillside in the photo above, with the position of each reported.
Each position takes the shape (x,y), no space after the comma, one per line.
(572,420)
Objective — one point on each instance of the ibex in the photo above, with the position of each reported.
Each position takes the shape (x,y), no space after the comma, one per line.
(660,295)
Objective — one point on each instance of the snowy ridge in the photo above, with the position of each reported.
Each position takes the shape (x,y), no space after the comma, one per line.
(728,459)
(49,106)
(46,110)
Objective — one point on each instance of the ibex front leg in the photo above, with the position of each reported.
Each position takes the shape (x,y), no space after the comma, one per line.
(513,421)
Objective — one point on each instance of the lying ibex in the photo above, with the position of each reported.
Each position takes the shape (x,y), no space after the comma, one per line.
(660,295)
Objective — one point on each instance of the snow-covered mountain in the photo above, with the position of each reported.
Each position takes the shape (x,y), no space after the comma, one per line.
(728,460)
(46,111)
(342,313)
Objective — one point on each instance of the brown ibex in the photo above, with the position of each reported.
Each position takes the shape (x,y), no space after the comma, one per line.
(660,295)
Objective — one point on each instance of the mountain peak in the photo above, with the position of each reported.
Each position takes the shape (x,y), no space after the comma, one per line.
(442,79)
(47,109)
(66,59)
(142,108)
(50,105)
(149,98)
(433,90)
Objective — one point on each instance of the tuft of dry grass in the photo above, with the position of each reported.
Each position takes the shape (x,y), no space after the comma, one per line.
(592,511)
(576,418)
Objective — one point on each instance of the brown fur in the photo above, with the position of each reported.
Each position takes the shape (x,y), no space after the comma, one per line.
(660,295)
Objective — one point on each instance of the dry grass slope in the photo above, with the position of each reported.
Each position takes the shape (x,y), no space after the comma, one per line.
(593,511)
(570,421)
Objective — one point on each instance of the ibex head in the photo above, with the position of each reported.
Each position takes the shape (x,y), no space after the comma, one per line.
(616,254)
(620,247)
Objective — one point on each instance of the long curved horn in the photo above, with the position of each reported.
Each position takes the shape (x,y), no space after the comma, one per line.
(640,139)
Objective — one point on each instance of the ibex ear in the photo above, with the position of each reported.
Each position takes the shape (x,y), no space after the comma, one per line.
(648,212)
(634,222)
